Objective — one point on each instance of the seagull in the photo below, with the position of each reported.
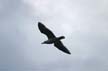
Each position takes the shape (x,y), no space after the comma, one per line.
(52,39)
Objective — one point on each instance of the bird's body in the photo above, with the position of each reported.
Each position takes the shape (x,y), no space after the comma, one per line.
(52,39)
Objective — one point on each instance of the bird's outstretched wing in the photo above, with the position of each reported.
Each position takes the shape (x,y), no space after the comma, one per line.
(61,47)
(45,30)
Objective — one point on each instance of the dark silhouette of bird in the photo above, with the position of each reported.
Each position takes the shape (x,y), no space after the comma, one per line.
(52,39)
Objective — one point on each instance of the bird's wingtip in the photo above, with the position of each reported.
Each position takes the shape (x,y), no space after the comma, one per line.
(39,23)
(69,53)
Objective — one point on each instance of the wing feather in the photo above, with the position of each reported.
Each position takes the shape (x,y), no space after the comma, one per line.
(61,47)
(45,31)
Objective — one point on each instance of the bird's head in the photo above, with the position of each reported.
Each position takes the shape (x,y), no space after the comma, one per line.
(61,37)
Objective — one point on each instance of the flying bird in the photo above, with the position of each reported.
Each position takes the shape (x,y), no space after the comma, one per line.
(52,39)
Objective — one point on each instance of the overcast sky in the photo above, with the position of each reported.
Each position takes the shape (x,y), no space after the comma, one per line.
(84,23)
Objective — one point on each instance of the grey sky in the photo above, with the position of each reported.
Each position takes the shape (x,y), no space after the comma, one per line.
(83,22)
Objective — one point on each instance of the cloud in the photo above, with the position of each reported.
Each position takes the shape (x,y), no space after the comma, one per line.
(20,47)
